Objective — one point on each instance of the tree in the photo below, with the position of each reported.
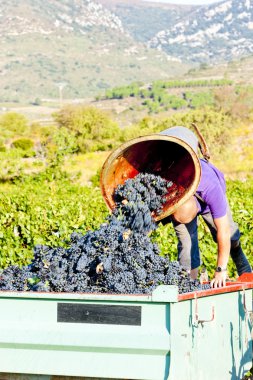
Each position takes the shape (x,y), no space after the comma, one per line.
(13,124)
(92,127)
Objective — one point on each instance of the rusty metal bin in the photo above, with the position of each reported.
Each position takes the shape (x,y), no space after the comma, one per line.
(172,154)
(203,335)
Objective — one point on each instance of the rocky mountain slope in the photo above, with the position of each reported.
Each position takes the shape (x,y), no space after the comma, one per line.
(47,17)
(221,31)
(144,19)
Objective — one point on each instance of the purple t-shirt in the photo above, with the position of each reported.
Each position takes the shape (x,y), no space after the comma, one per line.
(212,189)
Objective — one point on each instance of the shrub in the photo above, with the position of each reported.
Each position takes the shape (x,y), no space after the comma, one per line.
(23,144)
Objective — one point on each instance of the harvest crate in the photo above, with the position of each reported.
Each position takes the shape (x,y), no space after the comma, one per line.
(204,335)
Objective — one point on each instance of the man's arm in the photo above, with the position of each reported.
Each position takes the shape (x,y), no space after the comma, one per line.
(223,241)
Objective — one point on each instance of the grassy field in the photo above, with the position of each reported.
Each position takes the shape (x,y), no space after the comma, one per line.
(84,166)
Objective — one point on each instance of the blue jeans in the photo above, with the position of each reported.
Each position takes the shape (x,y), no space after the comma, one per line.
(188,246)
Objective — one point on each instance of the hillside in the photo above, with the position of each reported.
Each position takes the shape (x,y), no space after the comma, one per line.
(129,109)
(76,47)
(63,49)
(240,71)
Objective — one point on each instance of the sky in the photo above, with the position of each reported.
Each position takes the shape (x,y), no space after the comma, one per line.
(191,2)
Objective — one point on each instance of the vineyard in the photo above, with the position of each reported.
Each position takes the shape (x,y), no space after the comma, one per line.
(118,257)
(48,212)
(46,196)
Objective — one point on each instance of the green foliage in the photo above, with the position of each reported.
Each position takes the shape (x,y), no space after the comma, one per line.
(199,99)
(44,213)
(240,194)
(95,179)
(57,145)
(162,101)
(196,83)
(13,124)
(152,105)
(11,166)
(93,129)
(157,98)
(46,209)
(175,102)
(136,89)
(123,91)
(23,144)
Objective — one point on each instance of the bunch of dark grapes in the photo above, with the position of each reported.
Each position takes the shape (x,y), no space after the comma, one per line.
(119,257)
(137,199)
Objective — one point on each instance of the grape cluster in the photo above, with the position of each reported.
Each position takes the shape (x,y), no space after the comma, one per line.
(119,257)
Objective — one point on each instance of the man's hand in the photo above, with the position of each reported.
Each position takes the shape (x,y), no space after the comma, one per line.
(219,279)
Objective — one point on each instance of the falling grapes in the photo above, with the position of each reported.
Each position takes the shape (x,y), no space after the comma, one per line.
(119,257)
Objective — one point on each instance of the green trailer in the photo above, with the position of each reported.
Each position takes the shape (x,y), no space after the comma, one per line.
(205,335)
